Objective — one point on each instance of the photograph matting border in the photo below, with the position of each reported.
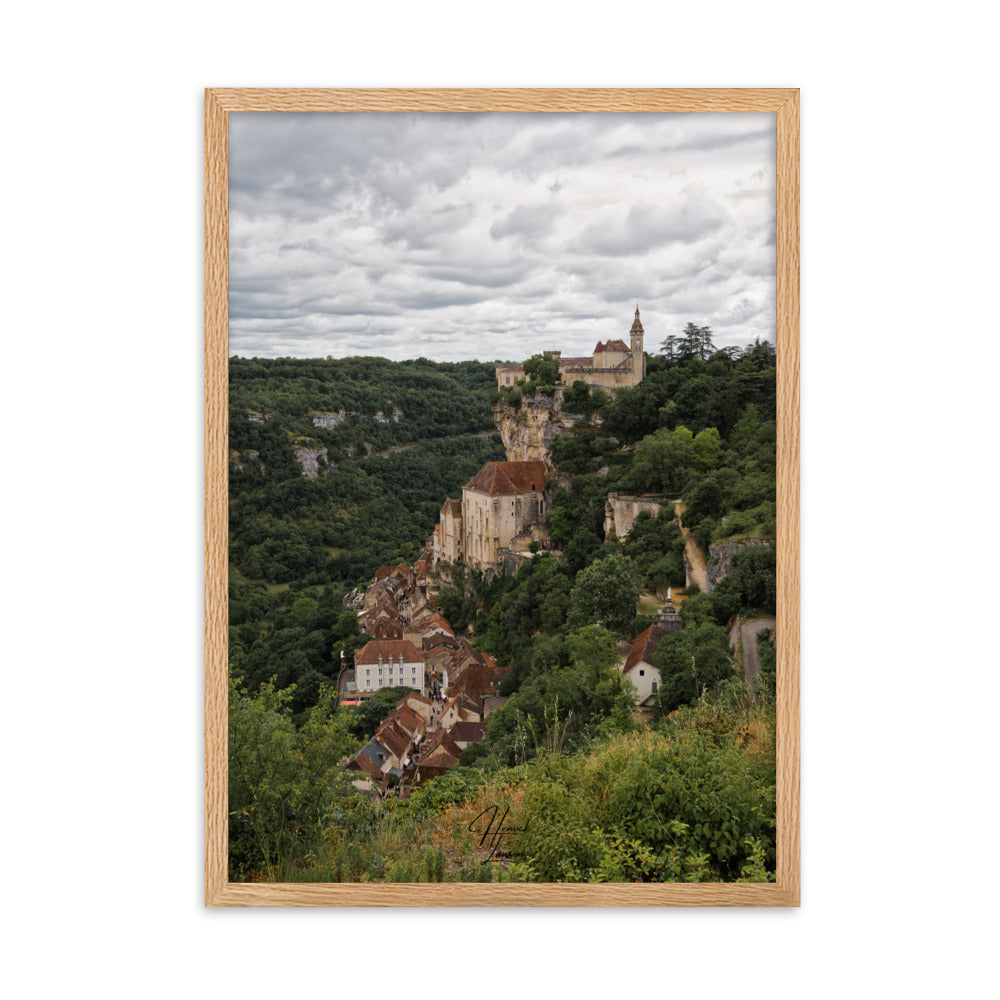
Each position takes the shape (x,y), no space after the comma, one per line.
(219,103)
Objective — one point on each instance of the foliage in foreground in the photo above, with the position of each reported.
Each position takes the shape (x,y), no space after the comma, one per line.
(689,800)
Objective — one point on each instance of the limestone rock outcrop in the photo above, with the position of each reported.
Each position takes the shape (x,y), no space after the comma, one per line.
(720,557)
(309,458)
(528,431)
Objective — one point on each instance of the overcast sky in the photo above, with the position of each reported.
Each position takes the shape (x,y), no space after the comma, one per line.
(494,236)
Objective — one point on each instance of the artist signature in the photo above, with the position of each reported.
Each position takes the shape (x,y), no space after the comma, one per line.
(494,829)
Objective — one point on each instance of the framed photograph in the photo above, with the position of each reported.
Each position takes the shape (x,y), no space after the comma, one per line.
(501,497)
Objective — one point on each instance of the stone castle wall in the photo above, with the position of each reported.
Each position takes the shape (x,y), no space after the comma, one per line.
(622,509)
(609,377)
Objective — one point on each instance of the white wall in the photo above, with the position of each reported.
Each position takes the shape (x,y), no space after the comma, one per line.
(102,232)
(642,676)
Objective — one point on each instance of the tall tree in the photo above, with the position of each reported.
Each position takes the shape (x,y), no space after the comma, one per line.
(671,348)
(664,461)
(542,368)
(697,342)
(605,594)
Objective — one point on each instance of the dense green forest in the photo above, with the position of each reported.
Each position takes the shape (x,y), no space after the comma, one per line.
(381,484)
(297,545)
(417,400)
(699,431)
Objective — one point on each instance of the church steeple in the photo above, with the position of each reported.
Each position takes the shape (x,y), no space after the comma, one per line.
(636,324)
(638,356)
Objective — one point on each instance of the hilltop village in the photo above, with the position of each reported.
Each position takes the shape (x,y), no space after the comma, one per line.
(538,581)
(498,522)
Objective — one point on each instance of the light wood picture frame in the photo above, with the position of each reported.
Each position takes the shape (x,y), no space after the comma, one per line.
(219,104)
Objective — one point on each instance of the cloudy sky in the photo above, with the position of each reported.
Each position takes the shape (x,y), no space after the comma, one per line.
(493,236)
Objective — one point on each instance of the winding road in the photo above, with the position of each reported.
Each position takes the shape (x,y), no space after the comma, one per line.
(748,634)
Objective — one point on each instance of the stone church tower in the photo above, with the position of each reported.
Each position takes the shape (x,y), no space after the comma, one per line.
(638,357)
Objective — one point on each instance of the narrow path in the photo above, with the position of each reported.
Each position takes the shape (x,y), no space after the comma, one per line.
(751,655)
(695,559)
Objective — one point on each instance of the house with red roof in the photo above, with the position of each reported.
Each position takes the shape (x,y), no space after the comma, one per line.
(460,708)
(389,663)
(639,666)
(385,628)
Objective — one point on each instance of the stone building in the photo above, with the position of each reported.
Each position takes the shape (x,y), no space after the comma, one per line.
(389,663)
(503,508)
(451,531)
(612,364)
(502,511)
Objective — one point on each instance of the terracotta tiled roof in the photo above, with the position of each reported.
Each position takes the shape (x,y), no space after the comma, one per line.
(439,762)
(437,656)
(452,507)
(432,641)
(445,747)
(385,571)
(474,682)
(386,628)
(362,762)
(375,752)
(493,665)
(467,732)
(611,345)
(578,362)
(413,696)
(505,478)
(463,706)
(406,718)
(393,736)
(645,646)
(395,648)
(435,620)
(432,742)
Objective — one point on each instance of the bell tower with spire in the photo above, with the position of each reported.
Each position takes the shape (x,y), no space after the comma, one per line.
(638,356)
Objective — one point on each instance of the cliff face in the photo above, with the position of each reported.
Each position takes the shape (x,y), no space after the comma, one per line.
(720,558)
(528,432)
(308,458)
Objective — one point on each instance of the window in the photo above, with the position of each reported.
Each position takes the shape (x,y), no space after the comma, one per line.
(642,673)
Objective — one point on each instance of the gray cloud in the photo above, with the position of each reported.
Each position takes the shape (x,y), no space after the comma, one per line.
(530,222)
(487,235)
(646,227)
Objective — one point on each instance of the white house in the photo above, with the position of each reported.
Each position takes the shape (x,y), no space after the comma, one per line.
(639,667)
(389,663)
